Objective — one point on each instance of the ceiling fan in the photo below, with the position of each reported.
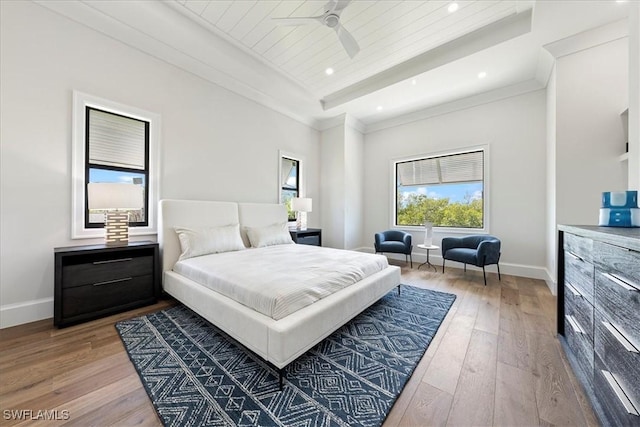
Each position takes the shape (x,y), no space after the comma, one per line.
(331,19)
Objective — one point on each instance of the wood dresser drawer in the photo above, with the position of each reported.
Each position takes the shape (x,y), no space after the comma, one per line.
(623,262)
(620,302)
(580,345)
(620,355)
(619,409)
(579,273)
(580,310)
(90,299)
(106,269)
(582,247)
(97,280)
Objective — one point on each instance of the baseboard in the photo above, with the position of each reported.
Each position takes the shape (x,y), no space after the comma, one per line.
(25,312)
(529,271)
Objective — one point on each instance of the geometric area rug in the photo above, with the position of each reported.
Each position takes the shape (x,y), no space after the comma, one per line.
(196,375)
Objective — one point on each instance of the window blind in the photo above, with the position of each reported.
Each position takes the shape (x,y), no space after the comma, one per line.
(454,168)
(289,170)
(116,140)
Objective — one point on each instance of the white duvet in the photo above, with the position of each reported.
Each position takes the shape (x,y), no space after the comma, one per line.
(279,280)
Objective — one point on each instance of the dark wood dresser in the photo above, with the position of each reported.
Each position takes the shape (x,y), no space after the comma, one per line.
(98,280)
(599,316)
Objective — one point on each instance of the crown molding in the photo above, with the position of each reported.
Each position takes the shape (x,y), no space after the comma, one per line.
(457,105)
(588,39)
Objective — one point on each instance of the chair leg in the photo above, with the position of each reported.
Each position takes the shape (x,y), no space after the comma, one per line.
(411,259)
(484,275)
(442,265)
(465,268)
(499,278)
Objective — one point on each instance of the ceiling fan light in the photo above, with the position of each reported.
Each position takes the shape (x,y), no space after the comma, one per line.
(328,71)
(332,20)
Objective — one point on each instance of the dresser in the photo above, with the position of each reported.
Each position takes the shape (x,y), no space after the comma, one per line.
(310,236)
(599,316)
(98,280)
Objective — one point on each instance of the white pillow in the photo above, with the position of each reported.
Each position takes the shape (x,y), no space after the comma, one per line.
(209,240)
(276,234)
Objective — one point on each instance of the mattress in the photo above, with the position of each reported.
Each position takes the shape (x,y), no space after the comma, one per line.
(279,280)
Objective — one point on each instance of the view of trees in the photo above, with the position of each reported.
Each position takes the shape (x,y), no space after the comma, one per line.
(413,208)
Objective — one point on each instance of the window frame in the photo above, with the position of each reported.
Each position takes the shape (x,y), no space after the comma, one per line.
(89,166)
(79,228)
(300,178)
(437,229)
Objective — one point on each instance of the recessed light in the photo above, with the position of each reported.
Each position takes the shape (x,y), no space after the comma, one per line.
(414,82)
(379,108)
(328,71)
(482,74)
(453,7)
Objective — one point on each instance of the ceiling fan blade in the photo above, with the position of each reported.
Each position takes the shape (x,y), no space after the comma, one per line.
(348,42)
(340,4)
(297,21)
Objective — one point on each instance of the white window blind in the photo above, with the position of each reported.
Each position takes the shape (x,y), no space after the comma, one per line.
(116,140)
(449,169)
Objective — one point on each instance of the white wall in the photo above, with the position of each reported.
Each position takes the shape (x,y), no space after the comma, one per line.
(354,169)
(514,130)
(634,98)
(591,92)
(552,235)
(215,144)
(332,186)
(341,185)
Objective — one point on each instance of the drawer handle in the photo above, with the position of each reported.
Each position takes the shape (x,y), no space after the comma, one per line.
(576,327)
(574,256)
(621,338)
(573,290)
(620,282)
(620,394)
(112,261)
(108,282)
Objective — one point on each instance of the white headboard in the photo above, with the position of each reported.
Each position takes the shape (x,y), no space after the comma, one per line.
(189,213)
(259,215)
(199,213)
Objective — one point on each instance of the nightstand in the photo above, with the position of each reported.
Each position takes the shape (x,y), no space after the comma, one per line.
(98,280)
(310,236)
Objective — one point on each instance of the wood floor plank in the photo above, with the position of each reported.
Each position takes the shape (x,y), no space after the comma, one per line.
(555,395)
(85,369)
(429,407)
(475,395)
(445,367)
(515,399)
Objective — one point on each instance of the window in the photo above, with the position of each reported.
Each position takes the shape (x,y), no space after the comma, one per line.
(113,143)
(289,183)
(447,190)
(117,150)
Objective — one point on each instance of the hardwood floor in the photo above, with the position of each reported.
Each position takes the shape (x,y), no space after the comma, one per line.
(494,361)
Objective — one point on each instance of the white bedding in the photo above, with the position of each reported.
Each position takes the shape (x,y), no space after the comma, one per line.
(261,278)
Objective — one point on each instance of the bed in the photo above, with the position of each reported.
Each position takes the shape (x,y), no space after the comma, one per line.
(281,338)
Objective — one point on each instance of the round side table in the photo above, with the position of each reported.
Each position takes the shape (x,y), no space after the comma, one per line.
(428,248)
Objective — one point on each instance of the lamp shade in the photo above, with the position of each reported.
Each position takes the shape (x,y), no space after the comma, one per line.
(301,204)
(106,195)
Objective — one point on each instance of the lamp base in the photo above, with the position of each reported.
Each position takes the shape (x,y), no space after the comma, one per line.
(116,227)
(301,221)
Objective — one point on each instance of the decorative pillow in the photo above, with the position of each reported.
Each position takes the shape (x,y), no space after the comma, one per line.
(276,234)
(209,240)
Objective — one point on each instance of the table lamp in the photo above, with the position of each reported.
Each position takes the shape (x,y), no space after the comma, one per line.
(301,205)
(116,199)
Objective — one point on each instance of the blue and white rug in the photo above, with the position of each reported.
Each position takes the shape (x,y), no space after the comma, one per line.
(196,375)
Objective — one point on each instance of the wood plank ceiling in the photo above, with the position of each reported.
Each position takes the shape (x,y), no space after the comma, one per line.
(388,32)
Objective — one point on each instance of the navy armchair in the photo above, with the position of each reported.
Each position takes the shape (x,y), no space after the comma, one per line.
(478,250)
(394,241)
